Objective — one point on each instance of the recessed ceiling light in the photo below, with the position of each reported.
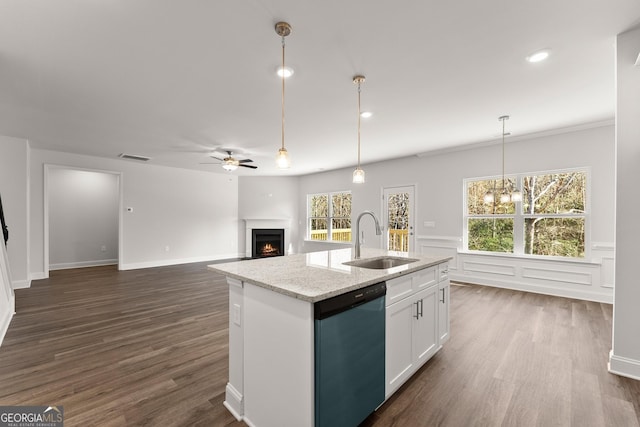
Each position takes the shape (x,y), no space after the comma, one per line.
(366,114)
(538,56)
(288,72)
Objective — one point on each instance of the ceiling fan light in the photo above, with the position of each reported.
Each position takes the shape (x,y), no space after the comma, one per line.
(230,167)
(358,176)
(282,159)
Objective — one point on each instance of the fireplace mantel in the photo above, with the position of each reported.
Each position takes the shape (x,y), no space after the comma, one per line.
(251,223)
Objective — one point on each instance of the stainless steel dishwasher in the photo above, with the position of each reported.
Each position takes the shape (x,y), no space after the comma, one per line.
(349,356)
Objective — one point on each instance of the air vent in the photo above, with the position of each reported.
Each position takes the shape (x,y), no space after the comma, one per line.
(134,157)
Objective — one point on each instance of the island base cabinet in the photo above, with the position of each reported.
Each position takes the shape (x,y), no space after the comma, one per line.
(234,392)
(411,336)
(271,358)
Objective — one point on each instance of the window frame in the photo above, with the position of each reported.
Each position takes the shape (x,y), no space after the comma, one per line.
(519,216)
(329,218)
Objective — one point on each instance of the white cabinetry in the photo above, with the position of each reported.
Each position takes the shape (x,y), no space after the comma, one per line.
(412,324)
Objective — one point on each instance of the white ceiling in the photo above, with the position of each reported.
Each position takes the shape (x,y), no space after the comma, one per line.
(173,80)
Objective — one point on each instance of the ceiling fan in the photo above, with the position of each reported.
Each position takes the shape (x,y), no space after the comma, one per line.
(229,163)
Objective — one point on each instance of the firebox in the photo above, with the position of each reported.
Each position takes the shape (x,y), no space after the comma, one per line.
(267,242)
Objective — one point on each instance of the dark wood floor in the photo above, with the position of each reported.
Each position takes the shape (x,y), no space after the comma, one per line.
(149,347)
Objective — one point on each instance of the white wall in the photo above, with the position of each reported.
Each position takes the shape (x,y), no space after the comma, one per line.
(625,355)
(192,213)
(14,188)
(439,193)
(83,218)
(268,198)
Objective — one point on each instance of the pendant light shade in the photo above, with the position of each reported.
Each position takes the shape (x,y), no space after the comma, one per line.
(283,161)
(358,174)
(489,197)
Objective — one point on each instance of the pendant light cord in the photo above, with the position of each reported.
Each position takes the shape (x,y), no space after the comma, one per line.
(283,72)
(358,125)
(503,182)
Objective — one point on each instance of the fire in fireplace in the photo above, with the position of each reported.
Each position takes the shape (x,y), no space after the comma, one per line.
(267,242)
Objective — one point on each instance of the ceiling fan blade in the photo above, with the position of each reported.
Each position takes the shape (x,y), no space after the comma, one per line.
(213,157)
(209,163)
(248,166)
(245,161)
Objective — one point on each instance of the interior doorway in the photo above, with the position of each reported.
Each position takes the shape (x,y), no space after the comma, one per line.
(82,218)
(398,209)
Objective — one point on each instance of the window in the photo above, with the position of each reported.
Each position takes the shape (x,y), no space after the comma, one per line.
(329,216)
(550,220)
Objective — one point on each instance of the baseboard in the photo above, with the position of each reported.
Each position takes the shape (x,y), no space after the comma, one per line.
(6,320)
(233,402)
(82,264)
(624,366)
(21,284)
(545,290)
(166,262)
(38,276)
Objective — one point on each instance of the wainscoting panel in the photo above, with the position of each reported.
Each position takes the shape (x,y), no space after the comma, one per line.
(492,267)
(585,280)
(558,274)
(440,246)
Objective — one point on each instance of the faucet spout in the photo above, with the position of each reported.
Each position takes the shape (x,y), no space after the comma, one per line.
(357,241)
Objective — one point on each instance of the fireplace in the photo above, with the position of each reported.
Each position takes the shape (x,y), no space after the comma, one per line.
(267,242)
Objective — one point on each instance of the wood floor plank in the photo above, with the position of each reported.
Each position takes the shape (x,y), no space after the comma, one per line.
(150,347)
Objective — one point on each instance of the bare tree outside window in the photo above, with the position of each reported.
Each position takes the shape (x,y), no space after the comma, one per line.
(550,220)
(398,224)
(329,216)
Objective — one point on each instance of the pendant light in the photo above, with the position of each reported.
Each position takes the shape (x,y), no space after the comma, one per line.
(505,195)
(358,174)
(283,29)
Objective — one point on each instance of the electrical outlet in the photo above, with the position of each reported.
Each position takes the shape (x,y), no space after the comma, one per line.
(167,248)
(103,248)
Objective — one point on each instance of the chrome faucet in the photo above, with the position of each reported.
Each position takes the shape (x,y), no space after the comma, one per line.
(378,231)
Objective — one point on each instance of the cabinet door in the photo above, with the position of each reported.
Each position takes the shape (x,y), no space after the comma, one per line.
(443,311)
(425,332)
(399,360)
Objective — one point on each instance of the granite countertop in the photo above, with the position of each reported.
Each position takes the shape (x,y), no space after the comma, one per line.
(316,276)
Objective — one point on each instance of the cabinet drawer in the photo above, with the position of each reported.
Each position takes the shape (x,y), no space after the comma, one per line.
(398,289)
(404,286)
(443,270)
(424,278)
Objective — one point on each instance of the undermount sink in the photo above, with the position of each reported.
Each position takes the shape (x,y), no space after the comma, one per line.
(380,263)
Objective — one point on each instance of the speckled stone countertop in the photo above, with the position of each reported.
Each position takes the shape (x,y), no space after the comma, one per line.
(317,276)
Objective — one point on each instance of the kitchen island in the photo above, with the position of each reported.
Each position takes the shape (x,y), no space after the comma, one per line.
(271,325)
